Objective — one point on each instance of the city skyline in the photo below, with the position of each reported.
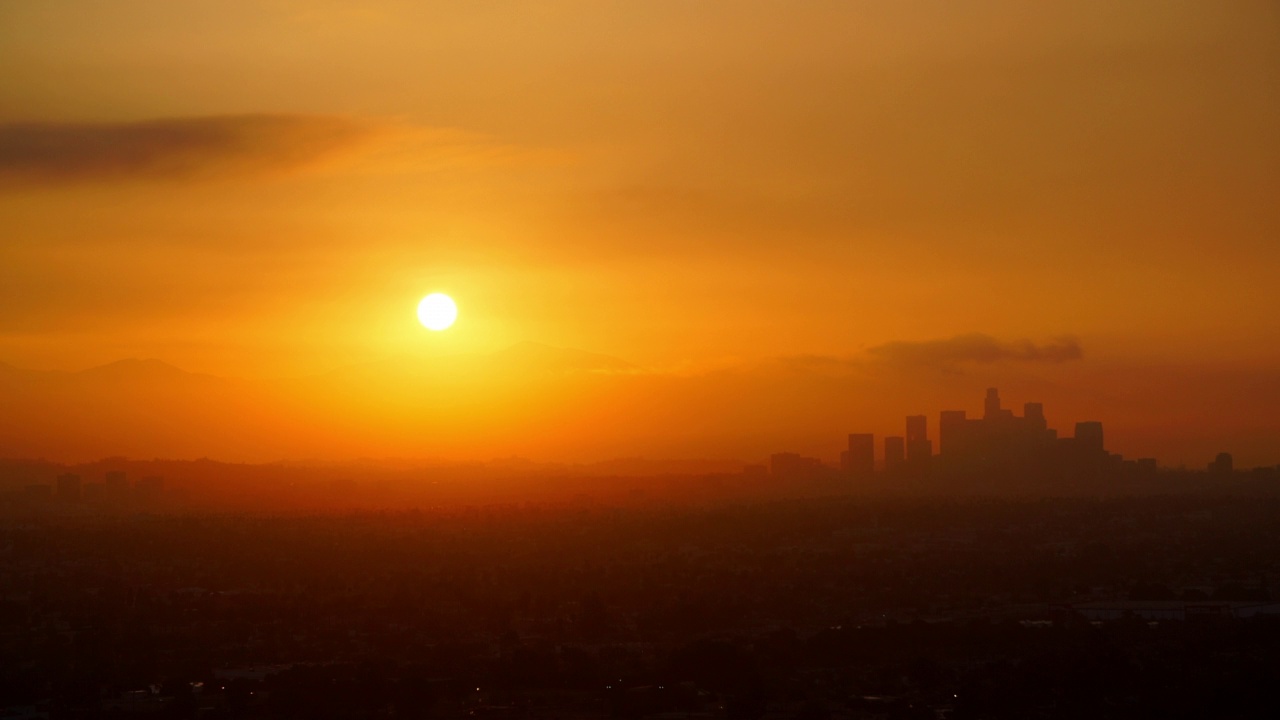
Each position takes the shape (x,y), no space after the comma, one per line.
(997,427)
(996,443)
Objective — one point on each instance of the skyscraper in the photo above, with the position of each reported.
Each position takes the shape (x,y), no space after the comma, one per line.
(860,458)
(951,426)
(895,452)
(991,407)
(1033,412)
(1089,437)
(917,428)
(919,449)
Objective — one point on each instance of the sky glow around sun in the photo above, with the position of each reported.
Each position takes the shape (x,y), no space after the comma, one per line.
(780,221)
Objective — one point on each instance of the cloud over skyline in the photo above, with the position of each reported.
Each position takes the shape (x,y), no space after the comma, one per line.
(977,348)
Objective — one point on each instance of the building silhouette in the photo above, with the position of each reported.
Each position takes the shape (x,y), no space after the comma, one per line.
(1089,437)
(999,443)
(991,409)
(895,453)
(860,458)
(997,438)
(919,448)
(951,424)
(1222,464)
(793,465)
(1003,441)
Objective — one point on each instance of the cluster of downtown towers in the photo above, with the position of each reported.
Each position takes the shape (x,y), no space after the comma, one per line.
(998,441)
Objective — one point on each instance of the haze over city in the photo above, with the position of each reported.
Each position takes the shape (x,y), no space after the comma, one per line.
(639,359)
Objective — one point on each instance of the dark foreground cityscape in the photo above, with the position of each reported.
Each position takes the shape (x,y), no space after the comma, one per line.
(1012,574)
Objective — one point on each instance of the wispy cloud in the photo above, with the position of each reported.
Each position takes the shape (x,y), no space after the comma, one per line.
(48,154)
(977,348)
(166,149)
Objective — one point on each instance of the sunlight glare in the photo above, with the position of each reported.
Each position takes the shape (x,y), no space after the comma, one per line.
(437,311)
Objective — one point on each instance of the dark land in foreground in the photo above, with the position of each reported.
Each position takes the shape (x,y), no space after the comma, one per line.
(1164,606)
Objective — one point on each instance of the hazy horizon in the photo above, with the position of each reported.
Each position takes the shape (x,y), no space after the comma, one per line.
(496,405)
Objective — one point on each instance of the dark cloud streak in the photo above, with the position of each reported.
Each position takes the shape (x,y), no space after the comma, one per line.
(169,149)
(977,348)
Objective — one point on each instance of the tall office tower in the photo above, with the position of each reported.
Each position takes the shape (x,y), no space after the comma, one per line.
(919,449)
(895,452)
(951,431)
(860,458)
(991,408)
(1089,437)
(1033,413)
(917,428)
(68,488)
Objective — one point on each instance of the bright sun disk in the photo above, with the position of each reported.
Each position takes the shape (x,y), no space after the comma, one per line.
(437,311)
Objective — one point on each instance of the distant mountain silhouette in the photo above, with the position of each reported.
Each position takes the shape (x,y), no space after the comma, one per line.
(10,372)
(129,370)
(134,370)
(524,357)
(147,407)
(132,406)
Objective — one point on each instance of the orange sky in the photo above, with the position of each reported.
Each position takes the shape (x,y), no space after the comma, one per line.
(264,191)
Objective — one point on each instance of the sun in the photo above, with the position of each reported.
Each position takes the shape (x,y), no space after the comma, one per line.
(437,311)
